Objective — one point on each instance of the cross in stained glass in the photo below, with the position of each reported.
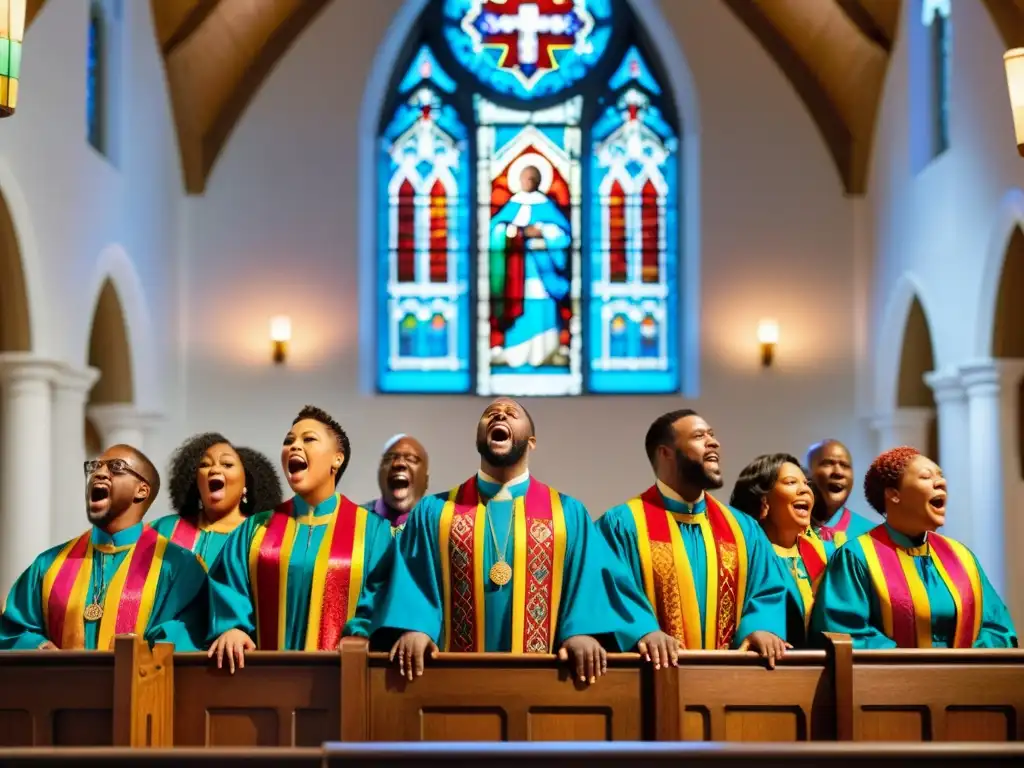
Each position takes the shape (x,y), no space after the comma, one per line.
(528,32)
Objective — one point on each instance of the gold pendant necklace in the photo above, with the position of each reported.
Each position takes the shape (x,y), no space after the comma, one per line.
(501,571)
(94,610)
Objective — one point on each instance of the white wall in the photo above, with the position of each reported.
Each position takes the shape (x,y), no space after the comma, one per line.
(944,231)
(277,232)
(80,219)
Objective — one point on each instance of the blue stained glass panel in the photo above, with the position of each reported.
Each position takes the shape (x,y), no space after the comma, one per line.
(423,326)
(93,85)
(632,297)
(528,48)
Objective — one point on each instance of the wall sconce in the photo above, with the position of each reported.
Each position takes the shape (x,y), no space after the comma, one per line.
(768,335)
(12,30)
(280,335)
(1013,60)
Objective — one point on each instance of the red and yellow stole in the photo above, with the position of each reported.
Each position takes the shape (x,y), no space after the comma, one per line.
(129,600)
(538,562)
(185,534)
(902,598)
(814,556)
(837,532)
(337,575)
(669,578)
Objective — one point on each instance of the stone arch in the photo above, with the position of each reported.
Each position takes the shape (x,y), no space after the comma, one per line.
(115,272)
(680,81)
(1007,340)
(916,359)
(15,327)
(1009,220)
(21,274)
(110,351)
(891,341)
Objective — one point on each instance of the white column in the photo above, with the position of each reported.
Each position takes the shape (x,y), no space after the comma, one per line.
(981,381)
(119,423)
(904,426)
(70,391)
(25,465)
(954,455)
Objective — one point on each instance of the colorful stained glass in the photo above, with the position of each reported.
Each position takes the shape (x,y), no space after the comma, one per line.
(528,267)
(528,48)
(632,299)
(532,111)
(94,79)
(422,321)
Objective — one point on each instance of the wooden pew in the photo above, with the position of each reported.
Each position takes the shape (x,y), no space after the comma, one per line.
(490,697)
(213,757)
(936,695)
(655,755)
(85,698)
(726,696)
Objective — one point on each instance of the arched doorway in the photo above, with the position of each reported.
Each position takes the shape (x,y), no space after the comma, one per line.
(1008,349)
(914,397)
(15,336)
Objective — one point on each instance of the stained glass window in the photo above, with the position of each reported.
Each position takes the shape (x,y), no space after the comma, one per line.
(565,279)
(94,79)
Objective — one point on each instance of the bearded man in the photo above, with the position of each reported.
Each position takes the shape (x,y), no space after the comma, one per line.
(709,572)
(505,563)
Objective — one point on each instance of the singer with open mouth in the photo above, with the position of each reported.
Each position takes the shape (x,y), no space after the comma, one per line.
(119,577)
(214,486)
(291,578)
(505,563)
(774,490)
(902,585)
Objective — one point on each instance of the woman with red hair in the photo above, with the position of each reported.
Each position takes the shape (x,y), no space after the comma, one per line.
(902,585)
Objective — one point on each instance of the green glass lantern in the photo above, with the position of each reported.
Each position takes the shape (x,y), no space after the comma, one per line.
(12,30)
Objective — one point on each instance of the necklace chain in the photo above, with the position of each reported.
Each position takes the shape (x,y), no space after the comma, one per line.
(101,582)
(494,535)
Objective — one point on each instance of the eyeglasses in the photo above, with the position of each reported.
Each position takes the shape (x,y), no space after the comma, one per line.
(116,467)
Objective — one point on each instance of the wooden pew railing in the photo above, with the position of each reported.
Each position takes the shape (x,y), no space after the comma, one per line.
(140,697)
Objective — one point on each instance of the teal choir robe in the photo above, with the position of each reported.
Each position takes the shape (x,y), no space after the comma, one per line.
(846,522)
(764,602)
(206,541)
(885,591)
(47,602)
(235,602)
(575,584)
(803,564)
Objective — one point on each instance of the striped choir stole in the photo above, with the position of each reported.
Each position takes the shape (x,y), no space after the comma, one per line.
(669,577)
(538,562)
(902,598)
(837,532)
(814,557)
(185,534)
(128,603)
(337,575)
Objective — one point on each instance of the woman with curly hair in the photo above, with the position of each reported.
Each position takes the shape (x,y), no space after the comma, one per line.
(902,585)
(214,487)
(774,490)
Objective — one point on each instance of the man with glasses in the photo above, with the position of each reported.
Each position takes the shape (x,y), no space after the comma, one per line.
(119,577)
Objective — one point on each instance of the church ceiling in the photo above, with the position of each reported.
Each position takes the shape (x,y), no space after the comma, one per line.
(834,52)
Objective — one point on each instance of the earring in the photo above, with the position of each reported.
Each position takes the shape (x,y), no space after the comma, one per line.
(200,505)
(244,497)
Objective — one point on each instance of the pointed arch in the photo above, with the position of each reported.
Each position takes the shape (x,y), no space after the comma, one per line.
(109,350)
(24,270)
(890,337)
(1009,218)
(678,81)
(116,274)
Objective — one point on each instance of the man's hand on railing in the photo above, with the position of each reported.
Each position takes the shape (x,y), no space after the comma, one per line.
(233,644)
(660,649)
(768,646)
(410,650)
(591,659)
